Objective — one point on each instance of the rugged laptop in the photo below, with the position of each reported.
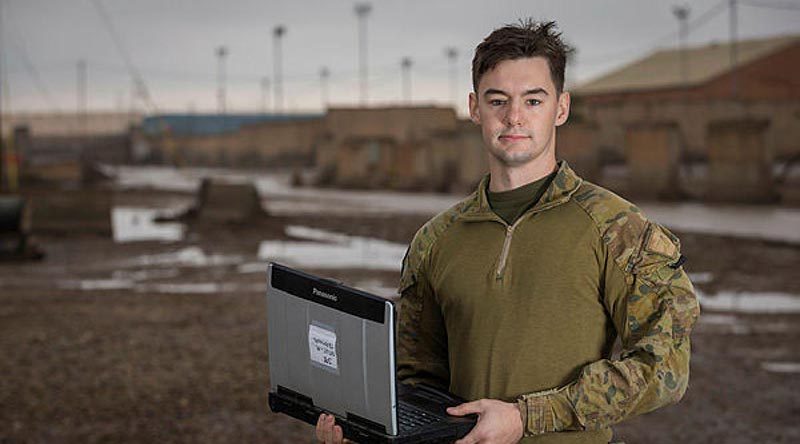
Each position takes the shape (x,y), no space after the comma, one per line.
(332,349)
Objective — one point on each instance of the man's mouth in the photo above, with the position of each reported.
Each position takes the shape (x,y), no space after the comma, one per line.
(514,137)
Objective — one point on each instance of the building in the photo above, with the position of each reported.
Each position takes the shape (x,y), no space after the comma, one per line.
(697,87)
(421,147)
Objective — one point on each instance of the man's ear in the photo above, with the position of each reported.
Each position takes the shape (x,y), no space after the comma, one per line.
(563,108)
(474,112)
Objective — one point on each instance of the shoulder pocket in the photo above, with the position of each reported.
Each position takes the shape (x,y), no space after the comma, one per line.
(658,251)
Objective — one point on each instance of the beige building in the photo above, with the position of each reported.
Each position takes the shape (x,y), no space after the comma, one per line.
(400,147)
(71,124)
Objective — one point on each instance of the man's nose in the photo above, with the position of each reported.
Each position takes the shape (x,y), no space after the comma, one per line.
(514,114)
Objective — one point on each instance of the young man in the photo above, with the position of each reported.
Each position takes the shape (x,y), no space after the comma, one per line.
(514,297)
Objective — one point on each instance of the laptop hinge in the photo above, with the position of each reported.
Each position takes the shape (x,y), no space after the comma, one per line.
(365,423)
(294,396)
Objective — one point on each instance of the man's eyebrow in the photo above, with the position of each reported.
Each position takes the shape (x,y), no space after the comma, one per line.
(536,91)
(491,91)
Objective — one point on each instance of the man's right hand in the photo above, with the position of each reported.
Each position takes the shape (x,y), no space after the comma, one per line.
(328,432)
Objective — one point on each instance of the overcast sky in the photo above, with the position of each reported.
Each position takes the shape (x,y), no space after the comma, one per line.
(173,43)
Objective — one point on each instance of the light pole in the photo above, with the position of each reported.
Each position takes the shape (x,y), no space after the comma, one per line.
(264,94)
(324,74)
(278,33)
(734,18)
(406,63)
(452,57)
(362,10)
(682,14)
(2,97)
(222,53)
(81,96)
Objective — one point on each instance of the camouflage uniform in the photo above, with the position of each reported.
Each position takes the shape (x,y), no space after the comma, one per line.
(529,312)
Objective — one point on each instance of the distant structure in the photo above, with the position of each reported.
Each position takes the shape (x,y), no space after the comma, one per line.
(651,113)
(652,89)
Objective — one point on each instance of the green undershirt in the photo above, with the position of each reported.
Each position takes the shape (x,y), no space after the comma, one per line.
(510,205)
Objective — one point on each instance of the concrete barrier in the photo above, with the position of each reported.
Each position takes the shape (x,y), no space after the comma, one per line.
(227,202)
(740,164)
(652,153)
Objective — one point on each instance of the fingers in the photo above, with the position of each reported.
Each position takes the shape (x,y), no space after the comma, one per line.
(338,434)
(327,431)
(320,428)
(466,408)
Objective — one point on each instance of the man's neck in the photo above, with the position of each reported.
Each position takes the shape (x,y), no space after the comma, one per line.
(505,178)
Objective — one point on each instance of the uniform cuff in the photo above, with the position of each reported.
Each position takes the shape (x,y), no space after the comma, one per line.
(545,412)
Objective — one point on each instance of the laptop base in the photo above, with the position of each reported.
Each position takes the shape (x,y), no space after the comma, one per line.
(364,431)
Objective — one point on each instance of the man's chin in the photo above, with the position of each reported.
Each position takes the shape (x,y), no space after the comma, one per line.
(514,160)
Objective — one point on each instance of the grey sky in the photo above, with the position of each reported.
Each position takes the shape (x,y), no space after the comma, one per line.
(173,43)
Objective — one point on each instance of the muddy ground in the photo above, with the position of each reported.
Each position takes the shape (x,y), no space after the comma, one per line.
(84,359)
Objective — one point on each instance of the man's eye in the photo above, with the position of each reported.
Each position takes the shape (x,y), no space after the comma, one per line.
(534,102)
(497,102)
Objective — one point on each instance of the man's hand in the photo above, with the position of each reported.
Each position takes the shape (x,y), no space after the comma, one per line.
(498,421)
(328,432)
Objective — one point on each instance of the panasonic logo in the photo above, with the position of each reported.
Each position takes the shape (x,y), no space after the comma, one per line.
(322,294)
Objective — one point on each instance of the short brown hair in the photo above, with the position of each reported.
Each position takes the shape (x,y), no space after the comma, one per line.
(526,39)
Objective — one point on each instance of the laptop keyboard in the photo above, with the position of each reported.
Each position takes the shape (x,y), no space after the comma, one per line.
(410,417)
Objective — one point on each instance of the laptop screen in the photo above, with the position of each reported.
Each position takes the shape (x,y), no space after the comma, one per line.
(332,344)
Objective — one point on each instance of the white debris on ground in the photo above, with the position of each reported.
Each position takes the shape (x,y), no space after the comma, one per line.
(138,224)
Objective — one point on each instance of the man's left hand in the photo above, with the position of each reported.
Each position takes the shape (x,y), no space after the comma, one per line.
(498,421)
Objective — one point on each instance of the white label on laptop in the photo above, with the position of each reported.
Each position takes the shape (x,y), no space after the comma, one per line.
(322,344)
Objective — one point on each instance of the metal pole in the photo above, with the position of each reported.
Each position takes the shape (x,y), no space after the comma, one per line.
(406,63)
(324,74)
(222,53)
(82,101)
(452,57)
(278,33)
(734,50)
(264,94)
(2,82)
(362,10)
(682,14)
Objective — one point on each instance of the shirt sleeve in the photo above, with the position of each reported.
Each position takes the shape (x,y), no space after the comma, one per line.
(654,307)
(421,337)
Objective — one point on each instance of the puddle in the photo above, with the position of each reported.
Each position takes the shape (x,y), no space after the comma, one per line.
(750,302)
(770,223)
(701,278)
(378,288)
(186,257)
(98,284)
(335,251)
(138,224)
(781,367)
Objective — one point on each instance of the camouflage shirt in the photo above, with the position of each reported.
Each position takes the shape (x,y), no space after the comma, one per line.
(530,311)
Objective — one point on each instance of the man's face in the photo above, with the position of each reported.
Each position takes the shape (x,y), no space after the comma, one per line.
(518,108)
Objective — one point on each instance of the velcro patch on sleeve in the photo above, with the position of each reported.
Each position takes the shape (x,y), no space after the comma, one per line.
(660,243)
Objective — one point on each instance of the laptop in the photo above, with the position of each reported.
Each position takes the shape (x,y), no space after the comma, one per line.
(332,350)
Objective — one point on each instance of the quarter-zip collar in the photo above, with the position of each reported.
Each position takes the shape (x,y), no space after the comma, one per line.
(560,190)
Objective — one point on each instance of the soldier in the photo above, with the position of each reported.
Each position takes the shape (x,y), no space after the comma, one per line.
(514,297)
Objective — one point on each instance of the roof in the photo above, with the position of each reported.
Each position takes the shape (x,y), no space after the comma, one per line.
(662,69)
(210,124)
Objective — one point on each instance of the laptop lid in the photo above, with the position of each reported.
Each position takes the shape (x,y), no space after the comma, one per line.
(334,345)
